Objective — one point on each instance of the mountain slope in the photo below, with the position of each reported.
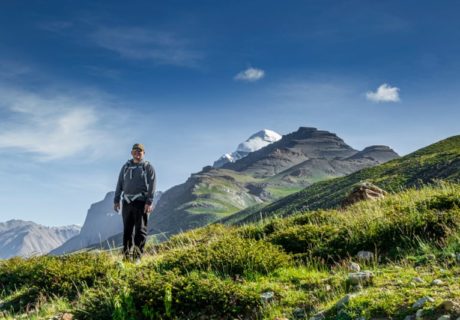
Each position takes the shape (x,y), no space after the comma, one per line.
(26,238)
(281,168)
(437,161)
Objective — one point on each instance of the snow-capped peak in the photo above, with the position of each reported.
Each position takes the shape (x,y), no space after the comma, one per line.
(253,143)
(259,140)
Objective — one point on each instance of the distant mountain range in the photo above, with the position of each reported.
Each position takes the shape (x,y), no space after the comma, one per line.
(26,238)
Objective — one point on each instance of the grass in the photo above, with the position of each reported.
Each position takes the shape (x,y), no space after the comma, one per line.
(285,267)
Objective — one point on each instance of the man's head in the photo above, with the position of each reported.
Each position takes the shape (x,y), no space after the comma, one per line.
(138,152)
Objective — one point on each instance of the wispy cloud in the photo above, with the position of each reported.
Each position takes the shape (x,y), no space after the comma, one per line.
(144,44)
(384,93)
(55,126)
(250,75)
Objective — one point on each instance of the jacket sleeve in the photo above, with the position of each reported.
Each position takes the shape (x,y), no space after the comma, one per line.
(119,187)
(152,182)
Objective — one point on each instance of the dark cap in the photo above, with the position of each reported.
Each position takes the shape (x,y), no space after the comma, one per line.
(138,146)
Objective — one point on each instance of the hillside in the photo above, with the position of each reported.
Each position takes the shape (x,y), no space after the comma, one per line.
(297,160)
(440,160)
(301,267)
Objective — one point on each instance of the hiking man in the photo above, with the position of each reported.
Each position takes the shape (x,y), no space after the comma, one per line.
(136,187)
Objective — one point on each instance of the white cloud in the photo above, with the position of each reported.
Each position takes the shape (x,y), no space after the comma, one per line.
(143,44)
(56,126)
(384,93)
(250,74)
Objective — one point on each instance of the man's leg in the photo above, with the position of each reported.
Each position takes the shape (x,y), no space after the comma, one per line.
(140,226)
(128,227)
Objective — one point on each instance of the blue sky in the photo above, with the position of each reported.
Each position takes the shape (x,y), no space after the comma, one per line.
(81,81)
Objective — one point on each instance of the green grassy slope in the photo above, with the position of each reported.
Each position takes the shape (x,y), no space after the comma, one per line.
(438,161)
(294,268)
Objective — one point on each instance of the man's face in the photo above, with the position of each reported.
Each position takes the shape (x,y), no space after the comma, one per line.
(137,154)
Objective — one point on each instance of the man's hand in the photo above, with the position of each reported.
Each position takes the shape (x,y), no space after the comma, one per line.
(148,208)
(116,207)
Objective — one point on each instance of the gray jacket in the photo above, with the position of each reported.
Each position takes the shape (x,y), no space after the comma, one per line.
(136,179)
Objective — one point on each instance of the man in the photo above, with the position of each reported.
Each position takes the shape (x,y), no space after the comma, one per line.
(136,187)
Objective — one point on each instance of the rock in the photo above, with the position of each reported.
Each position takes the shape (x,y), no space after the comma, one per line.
(299,313)
(365,256)
(267,296)
(328,287)
(419,314)
(418,280)
(357,288)
(430,256)
(344,301)
(412,317)
(363,191)
(458,257)
(67,316)
(437,282)
(447,305)
(421,302)
(360,278)
(352,266)
(318,316)
(444,317)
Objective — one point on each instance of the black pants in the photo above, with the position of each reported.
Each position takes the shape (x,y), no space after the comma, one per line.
(134,227)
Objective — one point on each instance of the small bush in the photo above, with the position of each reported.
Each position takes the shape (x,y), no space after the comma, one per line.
(187,297)
(229,255)
(63,275)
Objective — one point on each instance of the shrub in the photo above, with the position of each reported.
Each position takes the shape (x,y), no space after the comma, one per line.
(173,295)
(63,275)
(229,255)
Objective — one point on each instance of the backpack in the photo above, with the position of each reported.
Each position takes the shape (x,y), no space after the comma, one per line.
(144,171)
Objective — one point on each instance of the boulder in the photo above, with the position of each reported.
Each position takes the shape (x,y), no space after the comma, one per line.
(363,191)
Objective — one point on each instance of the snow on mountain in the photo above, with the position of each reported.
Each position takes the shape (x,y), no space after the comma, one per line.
(255,142)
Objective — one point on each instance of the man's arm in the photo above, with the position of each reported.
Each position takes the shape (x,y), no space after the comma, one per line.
(118,190)
(152,182)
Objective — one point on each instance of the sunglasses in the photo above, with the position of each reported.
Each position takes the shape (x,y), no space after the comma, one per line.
(138,150)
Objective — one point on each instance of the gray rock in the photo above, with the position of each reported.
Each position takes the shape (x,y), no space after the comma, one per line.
(458,257)
(344,301)
(418,280)
(353,266)
(357,288)
(437,282)
(419,314)
(299,313)
(421,302)
(444,317)
(318,316)
(365,256)
(360,278)
(411,317)
(267,296)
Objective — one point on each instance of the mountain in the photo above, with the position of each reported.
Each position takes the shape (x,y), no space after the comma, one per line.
(26,238)
(280,168)
(101,223)
(440,160)
(253,143)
